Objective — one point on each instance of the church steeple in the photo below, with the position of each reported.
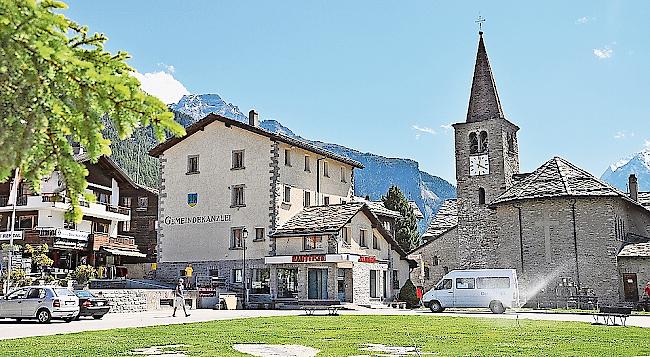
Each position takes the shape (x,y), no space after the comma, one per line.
(484,101)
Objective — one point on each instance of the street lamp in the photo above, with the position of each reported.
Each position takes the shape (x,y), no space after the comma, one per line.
(244,235)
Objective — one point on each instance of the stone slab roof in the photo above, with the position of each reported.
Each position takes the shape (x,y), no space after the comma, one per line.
(559,178)
(416,210)
(319,219)
(636,250)
(445,219)
(378,209)
(644,199)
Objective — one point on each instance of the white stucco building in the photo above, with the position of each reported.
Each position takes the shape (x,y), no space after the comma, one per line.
(227,185)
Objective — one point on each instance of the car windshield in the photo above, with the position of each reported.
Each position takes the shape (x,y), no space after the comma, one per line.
(84,293)
(63,292)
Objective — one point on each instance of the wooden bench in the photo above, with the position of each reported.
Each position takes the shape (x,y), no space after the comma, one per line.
(332,310)
(397,304)
(609,314)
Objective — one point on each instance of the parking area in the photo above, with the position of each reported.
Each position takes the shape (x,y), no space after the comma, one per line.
(11,329)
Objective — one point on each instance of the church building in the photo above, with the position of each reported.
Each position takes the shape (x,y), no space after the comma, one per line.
(557,226)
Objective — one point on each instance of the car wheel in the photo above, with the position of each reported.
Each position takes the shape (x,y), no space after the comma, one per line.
(435,306)
(77,317)
(497,307)
(97,317)
(44,316)
(68,319)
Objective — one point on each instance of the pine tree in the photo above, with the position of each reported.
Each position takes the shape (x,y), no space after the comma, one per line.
(56,84)
(406,227)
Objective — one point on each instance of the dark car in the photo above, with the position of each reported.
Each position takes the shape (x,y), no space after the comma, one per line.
(91,305)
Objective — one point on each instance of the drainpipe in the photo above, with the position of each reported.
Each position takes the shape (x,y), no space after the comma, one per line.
(575,241)
(521,239)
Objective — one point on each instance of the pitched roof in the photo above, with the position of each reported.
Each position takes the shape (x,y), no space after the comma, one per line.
(635,250)
(644,199)
(559,178)
(445,219)
(484,101)
(416,210)
(378,208)
(211,118)
(329,220)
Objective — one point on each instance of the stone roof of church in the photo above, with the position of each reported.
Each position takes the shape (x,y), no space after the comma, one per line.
(484,100)
(635,250)
(644,198)
(445,219)
(559,178)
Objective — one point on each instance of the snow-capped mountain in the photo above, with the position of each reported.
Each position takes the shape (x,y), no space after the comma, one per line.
(199,105)
(374,180)
(618,173)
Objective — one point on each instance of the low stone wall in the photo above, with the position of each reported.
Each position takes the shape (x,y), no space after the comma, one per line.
(139,300)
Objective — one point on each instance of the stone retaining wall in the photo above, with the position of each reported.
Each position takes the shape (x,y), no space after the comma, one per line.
(139,300)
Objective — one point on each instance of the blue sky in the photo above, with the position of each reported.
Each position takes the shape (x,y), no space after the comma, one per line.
(388,77)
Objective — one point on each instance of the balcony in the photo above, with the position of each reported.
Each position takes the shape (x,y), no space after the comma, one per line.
(60,202)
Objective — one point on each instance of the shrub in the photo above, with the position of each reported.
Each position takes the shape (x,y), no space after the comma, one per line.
(409,295)
(83,273)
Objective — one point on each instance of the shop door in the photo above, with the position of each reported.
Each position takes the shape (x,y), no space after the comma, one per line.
(317,284)
(630,289)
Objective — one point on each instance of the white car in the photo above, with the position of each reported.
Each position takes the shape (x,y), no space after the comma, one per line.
(43,303)
(496,289)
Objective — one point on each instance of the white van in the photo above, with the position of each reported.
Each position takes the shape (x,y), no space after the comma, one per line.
(494,288)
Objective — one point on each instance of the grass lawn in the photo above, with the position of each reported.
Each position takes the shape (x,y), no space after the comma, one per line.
(345,335)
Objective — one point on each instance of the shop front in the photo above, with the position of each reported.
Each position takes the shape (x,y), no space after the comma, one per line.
(329,277)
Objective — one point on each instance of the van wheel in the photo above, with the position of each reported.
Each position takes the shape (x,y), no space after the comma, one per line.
(43,316)
(436,307)
(497,307)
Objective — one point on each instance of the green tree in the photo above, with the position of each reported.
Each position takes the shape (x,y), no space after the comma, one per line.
(39,255)
(406,227)
(56,83)
(408,294)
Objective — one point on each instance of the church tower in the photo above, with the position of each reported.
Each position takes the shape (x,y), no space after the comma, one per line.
(486,159)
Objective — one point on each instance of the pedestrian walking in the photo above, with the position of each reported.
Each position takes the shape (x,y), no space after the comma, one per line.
(179,297)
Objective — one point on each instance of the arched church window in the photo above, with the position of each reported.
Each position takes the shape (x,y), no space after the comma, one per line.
(435,260)
(483,141)
(473,143)
(481,196)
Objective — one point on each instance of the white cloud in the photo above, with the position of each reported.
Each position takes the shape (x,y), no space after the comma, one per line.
(422,130)
(646,145)
(447,127)
(583,20)
(162,85)
(623,134)
(604,52)
(168,68)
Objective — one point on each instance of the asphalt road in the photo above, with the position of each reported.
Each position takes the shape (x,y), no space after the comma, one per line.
(11,329)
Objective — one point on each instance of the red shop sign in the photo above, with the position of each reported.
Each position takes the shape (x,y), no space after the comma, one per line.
(308,258)
(367,259)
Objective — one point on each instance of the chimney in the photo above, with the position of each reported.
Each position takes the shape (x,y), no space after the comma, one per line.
(634,187)
(253,118)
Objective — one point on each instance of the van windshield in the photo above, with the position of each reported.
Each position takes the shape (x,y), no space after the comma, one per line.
(444,284)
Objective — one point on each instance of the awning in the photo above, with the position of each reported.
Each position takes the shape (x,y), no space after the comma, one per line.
(123,252)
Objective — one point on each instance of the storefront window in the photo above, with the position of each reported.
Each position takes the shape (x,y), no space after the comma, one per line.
(373,283)
(261,278)
(287,280)
(237,276)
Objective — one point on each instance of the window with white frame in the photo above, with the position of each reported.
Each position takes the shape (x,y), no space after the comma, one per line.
(193,164)
(238,196)
(238,159)
(307,164)
(312,243)
(237,276)
(237,238)
(306,201)
(287,157)
(259,233)
(362,238)
(326,169)
(375,242)
(286,198)
(345,235)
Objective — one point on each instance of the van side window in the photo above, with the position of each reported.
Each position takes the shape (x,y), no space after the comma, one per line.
(493,283)
(464,283)
(444,285)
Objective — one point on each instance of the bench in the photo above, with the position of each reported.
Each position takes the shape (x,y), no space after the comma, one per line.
(397,304)
(332,310)
(609,314)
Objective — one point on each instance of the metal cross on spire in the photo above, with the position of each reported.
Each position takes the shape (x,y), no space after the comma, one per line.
(480,20)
